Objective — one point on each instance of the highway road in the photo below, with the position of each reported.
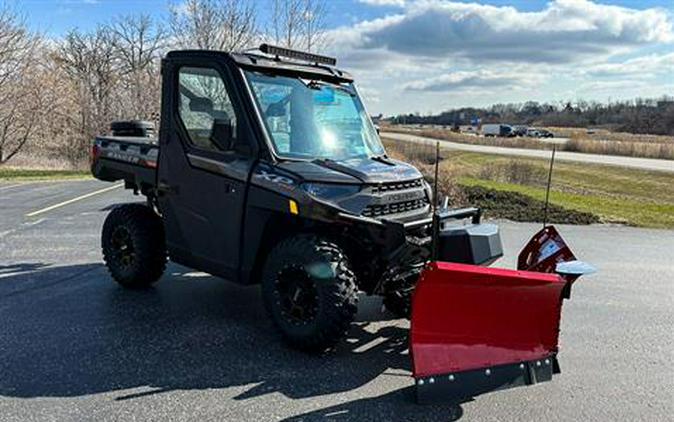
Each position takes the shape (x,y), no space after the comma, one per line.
(75,346)
(614,160)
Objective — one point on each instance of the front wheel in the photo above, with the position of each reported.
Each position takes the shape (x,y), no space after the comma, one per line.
(134,248)
(310,292)
(399,290)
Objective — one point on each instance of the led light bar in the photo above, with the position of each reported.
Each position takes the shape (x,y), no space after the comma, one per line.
(297,55)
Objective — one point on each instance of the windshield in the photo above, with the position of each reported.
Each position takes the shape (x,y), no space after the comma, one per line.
(314,119)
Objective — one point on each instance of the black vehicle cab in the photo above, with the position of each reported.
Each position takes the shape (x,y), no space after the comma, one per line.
(255,147)
(267,168)
(289,145)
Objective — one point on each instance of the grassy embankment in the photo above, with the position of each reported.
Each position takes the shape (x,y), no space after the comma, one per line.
(16,174)
(599,141)
(584,193)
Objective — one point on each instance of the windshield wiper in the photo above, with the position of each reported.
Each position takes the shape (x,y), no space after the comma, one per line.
(317,84)
(382,158)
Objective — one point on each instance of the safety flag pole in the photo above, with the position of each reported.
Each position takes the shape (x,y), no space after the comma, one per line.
(547,190)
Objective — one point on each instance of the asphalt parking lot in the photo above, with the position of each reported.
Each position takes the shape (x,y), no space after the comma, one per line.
(75,346)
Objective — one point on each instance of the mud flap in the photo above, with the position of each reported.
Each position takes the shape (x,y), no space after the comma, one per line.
(477,329)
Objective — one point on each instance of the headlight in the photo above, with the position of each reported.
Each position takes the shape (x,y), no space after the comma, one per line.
(329,191)
(429,190)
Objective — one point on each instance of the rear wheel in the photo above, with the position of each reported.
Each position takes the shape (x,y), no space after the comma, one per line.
(310,292)
(133,245)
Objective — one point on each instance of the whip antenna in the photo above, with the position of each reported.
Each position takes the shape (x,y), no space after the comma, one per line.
(435,228)
(547,189)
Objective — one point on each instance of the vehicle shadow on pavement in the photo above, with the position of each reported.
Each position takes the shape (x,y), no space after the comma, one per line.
(13,268)
(397,405)
(72,332)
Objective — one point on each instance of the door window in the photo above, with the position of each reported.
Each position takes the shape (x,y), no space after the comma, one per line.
(205,109)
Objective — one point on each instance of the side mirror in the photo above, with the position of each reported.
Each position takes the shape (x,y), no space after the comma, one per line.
(222,134)
(201,105)
(277,109)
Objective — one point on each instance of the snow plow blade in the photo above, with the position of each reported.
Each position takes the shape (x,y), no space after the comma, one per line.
(476,329)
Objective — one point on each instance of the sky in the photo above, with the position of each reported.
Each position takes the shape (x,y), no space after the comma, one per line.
(426,56)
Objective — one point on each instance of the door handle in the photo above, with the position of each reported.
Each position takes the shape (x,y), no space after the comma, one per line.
(230,188)
(164,188)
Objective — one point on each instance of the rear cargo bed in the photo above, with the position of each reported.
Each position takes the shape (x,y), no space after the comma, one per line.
(132,159)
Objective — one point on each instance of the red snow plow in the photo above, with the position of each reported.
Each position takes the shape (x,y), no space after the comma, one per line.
(477,329)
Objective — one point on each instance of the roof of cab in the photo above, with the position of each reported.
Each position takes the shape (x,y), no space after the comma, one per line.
(257,61)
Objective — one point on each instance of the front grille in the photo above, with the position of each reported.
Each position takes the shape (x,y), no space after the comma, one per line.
(394,186)
(400,207)
(384,190)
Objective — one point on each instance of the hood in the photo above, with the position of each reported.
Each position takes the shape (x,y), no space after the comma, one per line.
(352,170)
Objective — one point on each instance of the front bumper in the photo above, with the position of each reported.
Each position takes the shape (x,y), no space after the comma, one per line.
(444,216)
(472,243)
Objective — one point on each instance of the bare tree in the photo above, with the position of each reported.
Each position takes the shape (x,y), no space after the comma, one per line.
(314,24)
(90,62)
(137,41)
(286,22)
(213,24)
(138,44)
(20,93)
(60,133)
(298,24)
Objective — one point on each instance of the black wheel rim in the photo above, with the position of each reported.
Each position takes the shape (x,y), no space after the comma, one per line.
(297,296)
(122,247)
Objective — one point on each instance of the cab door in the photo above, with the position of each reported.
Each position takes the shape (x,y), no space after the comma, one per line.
(206,157)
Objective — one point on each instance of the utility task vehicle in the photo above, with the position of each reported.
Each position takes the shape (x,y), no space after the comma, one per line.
(267,169)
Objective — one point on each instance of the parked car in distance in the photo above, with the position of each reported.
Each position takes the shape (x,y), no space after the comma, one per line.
(520,130)
(498,130)
(468,129)
(544,133)
(533,133)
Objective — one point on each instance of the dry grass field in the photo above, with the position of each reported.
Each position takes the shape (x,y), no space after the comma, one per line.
(599,141)
(603,141)
(612,194)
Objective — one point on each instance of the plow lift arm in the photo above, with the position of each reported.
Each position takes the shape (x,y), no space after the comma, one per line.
(476,329)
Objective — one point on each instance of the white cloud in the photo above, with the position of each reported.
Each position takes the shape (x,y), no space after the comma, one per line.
(438,54)
(640,67)
(564,31)
(398,3)
(471,80)
(371,95)
(611,86)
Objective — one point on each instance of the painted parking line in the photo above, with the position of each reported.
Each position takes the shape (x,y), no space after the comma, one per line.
(70,201)
(21,227)
(5,187)
(32,183)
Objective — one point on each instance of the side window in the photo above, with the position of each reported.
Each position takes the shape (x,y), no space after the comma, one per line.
(205,109)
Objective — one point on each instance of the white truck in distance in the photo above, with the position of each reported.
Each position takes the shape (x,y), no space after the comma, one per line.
(497,130)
